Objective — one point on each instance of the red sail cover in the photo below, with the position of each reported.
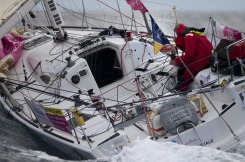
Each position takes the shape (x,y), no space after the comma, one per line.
(137,5)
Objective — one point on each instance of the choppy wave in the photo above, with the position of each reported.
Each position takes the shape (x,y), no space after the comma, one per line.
(152,151)
(20,154)
(143,151)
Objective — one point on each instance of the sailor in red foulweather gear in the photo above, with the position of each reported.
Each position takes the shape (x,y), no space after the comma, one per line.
(197,52)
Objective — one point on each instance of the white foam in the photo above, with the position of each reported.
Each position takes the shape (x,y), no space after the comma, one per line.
(152,151)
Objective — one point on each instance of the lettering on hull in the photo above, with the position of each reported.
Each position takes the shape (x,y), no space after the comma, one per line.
(207,142)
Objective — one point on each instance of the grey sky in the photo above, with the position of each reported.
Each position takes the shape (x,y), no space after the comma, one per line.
(194,5)
(201,9)
(223,5)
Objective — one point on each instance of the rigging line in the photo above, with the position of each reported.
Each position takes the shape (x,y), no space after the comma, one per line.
(84,92)
(25,73)
(112,22)
(163,97)
(199,87)
(77,6)
(209,24)
(62,52)
(198,60)
(158,3)
(127,88)
(89,38)
(44,27)
(52,50)
(144,43)
(129,98)
(117,86)
(101,9)
(121,54)
(30,115)
(18,80)
(132,61)
(121,17)
(84,15)
(44,87)
(120,13)
(162,79)
(68,13)
(76,86)
(29,111)
(41,91)
(108,99)
(32,26)
(164,85)
(143,105)
(147,88)
(34,70)
(152,85)
(72,13)
(96,134)
(132,21)
(16,73)
(22,93)
(136,67)
(72,9)
(186,67)
(45,90)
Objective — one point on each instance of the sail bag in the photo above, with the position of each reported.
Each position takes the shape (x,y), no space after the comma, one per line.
(177,112)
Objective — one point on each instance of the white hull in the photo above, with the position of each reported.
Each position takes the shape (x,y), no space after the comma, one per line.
(89,93)
(67,146)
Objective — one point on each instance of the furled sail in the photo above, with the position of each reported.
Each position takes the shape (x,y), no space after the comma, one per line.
(11,12)
(7,8)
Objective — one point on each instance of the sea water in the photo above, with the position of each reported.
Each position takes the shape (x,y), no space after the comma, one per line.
(17,143)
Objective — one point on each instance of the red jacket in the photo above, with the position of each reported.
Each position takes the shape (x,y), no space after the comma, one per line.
(196,47)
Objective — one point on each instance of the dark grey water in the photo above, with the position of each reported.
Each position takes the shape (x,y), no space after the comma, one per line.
(17,143)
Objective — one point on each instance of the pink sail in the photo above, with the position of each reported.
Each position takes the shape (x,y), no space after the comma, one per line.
(11,45)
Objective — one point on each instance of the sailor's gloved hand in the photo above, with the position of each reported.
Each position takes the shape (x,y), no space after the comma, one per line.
(172,62)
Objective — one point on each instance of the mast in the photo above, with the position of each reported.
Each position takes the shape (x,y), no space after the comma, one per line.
(13,19)
(175,15)
(55,17)
(146,23)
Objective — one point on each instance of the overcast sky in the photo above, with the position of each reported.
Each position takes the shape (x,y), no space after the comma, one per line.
(197,5)
(223,5)
(193,5)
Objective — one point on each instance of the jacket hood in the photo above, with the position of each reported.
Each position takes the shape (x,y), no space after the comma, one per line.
(179,41)
(181,29)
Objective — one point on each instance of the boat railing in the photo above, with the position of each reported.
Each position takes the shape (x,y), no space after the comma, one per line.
(228,56)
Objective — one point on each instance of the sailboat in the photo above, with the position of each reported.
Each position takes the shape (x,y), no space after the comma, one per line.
(89,92)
